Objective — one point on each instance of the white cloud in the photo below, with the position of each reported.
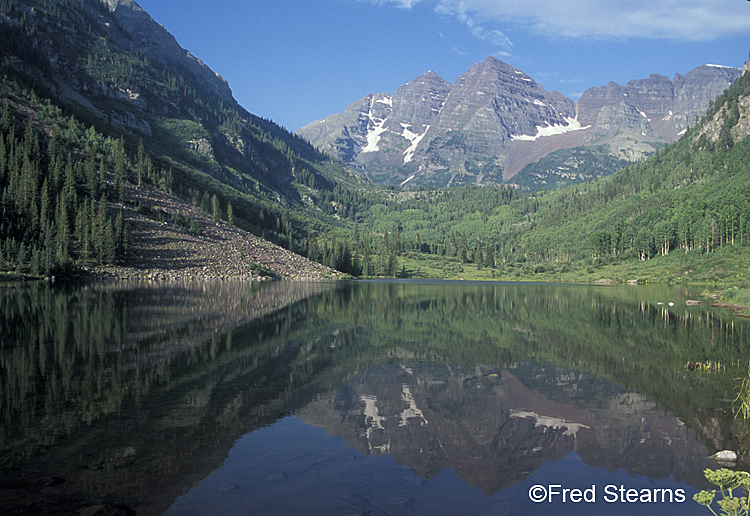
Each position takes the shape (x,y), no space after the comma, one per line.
(493,36)
(689,20)
(693,20)
(477,30)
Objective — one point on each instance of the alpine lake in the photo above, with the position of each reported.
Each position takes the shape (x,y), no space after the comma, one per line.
(363,398)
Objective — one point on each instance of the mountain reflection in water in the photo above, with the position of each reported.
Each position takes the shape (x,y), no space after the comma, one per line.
(407,397)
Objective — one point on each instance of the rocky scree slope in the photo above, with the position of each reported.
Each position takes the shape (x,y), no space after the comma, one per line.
(163,250)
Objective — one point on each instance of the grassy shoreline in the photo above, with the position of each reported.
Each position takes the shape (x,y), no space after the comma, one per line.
(725,273)
(721,270)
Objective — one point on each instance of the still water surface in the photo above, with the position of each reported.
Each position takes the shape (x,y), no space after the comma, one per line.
(368,398)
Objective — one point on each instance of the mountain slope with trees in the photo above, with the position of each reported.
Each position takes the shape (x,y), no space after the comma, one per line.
(102,117)
(97,98)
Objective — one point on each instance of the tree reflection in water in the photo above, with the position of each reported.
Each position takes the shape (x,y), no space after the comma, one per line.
(133,393)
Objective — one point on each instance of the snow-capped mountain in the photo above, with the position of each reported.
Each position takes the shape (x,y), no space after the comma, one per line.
(382,131)
(495,120)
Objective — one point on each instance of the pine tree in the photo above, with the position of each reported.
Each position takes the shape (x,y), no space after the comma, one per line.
(140,164)
(23,259)
(44,205)
(62,235)
(91,179)
(48,250)
(36,268)
(100,187)
(205,201)
(215,208)
(98,229)
(120,236)
(489,257)
(286,227)
(120,171)
(392,266)
(230,213)
(109,250)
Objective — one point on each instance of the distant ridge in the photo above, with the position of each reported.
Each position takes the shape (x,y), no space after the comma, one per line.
(495,120)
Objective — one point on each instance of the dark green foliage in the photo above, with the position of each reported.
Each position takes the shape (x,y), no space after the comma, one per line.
(261,271)
(257,167)
(51,218)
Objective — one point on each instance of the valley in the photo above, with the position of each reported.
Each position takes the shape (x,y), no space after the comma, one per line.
(203,312)
(110,127)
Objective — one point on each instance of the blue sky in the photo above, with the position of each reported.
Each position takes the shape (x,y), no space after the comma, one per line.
(296,61)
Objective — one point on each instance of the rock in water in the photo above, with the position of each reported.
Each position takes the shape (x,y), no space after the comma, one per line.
(725,456)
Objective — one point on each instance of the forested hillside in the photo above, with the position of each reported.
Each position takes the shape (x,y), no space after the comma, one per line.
(54,201)
(85,112)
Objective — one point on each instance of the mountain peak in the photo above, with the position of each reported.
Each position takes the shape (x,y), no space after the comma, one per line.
(496,64)
(493,61)
(430,74)
(495,119)
(656,106)
(493,70)
(429,77)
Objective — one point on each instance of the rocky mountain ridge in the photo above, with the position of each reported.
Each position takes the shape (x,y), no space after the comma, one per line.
(661,108)
(158,44)
(495,120)
(730,123)
(110,58)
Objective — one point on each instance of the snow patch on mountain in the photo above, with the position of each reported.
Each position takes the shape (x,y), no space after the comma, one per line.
(408,179)
(373,135)
(412,411)
(551,130)
(376,125)
(414,138)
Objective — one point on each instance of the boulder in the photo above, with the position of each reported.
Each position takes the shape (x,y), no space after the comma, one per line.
(725,456)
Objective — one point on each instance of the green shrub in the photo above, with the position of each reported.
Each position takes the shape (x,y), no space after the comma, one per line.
(261,271)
